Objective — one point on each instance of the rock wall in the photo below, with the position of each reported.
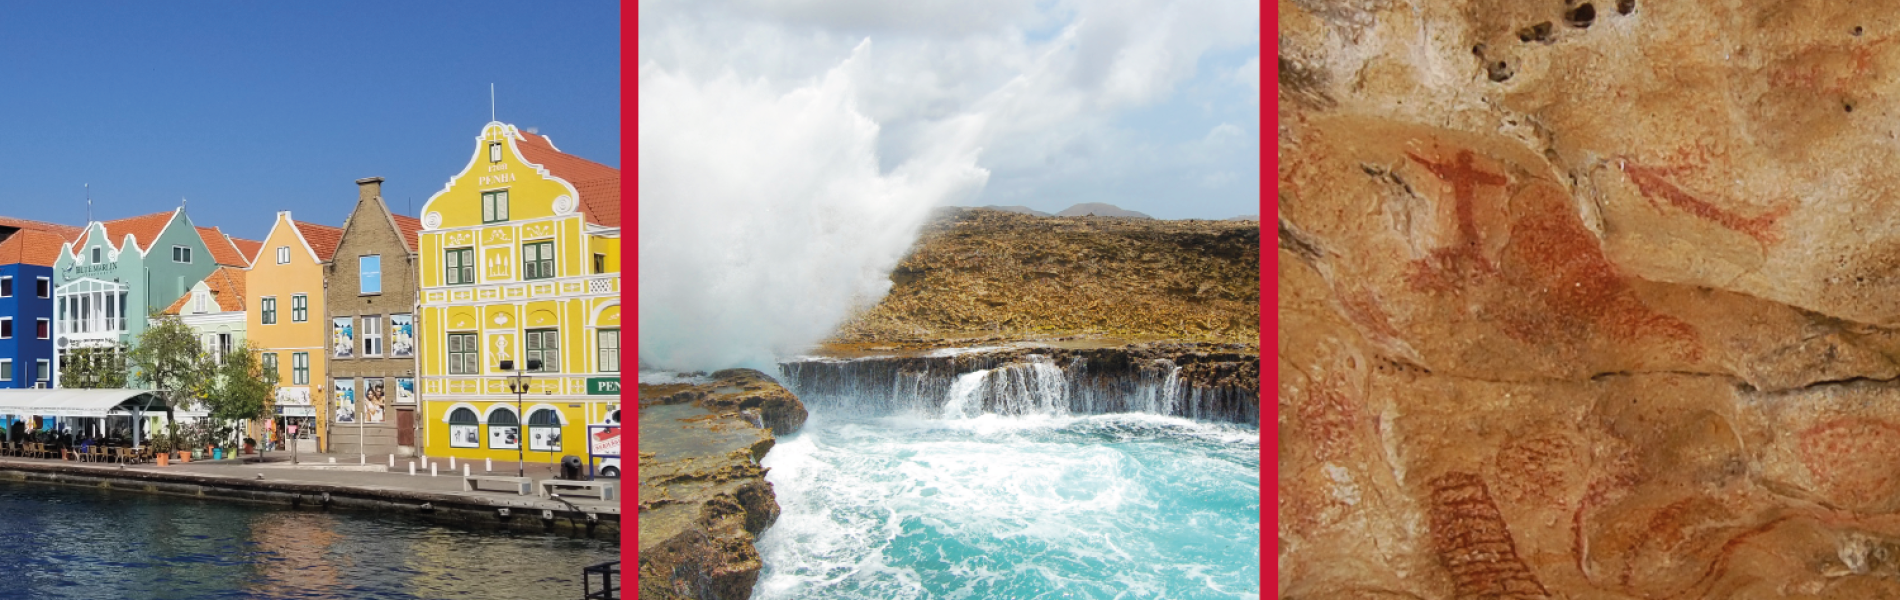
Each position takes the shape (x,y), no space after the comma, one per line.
(703,496)
(1589,299)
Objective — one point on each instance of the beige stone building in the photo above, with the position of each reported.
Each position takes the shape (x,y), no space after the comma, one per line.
(370,300)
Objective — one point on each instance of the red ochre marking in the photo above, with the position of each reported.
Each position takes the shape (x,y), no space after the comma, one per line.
(1464,259)
(1473,543)
(1849,459)
(1651,181)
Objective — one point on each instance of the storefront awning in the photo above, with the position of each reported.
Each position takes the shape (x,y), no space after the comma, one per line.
(77,403)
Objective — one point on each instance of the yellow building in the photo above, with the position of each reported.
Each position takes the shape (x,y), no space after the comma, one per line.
(520,262)
(286,323)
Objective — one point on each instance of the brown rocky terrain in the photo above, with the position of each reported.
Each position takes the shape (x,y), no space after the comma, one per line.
(703,496)
(979,274)
(1589,299)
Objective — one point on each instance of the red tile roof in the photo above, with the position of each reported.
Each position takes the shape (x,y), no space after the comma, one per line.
(410,228)
(221,248)
(227,288)
(67,232)
(249,248)
(144,229)
(598,184)
(323,239)
(31,246)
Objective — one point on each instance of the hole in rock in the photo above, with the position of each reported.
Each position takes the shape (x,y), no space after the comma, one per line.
(1499,71)
(1624,7)
(1536,33)
(1581,16)
(1858,31)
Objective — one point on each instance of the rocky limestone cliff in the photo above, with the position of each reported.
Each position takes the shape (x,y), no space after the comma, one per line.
(1589,299)
(986,274)
(703,496)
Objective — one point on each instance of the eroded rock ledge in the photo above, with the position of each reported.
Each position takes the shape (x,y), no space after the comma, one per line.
(1589,299)
(1209,381)
(703,495)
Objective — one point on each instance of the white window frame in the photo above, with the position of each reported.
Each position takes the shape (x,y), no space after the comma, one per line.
(283,255)
(6,369)
(48,329)
(600,366)
(46,282)
(372,334)
(181,255)
(6,287)
(6,332)
(97,255)
(43,370)
(267,310)
(295,309)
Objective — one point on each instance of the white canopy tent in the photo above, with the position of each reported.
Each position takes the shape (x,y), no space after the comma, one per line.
(90,403)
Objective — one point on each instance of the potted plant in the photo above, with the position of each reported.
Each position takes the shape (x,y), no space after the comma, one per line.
(162,449)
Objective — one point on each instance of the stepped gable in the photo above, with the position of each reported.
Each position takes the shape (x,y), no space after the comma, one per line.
(144,229)
(227,288)
(598,184)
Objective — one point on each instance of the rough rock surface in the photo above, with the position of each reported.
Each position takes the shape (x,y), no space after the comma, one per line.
(703,496)
(1205,381)
(1589,299)
(977,273)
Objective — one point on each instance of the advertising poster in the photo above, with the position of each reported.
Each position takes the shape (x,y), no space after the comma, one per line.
(402,336)
(505,437)
(373,400)
(544,439)
(465,436)
(346,400)
(342,337)
(405,390)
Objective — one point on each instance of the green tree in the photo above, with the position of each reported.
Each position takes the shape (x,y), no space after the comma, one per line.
(168,357)
(94,367)
(241,391)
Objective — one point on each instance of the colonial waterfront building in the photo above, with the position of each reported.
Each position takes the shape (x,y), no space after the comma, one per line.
(118,273)
(286,323)
(214,309)
(519,262)
(28,250)
(371,295)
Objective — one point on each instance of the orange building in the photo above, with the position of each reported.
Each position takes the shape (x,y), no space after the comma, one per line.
(285,322)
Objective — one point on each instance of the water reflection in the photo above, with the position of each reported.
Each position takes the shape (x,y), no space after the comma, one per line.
(65,542)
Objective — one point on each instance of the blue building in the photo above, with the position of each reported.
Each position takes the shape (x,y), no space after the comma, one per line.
(28,251)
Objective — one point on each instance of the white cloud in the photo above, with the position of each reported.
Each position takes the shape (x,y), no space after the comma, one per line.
(790,149)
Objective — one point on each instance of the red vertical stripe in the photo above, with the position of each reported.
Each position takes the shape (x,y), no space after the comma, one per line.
(630,295)
(1269,310)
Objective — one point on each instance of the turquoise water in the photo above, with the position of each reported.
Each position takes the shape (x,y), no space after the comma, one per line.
(1120,506)
(70,542)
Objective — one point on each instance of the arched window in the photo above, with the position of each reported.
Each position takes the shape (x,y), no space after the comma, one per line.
(544,430)
(504,429)
(464,428)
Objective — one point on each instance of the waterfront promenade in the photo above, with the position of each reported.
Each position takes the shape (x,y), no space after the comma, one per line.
(316,483)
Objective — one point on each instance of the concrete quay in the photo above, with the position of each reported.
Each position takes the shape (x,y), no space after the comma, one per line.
(318,484)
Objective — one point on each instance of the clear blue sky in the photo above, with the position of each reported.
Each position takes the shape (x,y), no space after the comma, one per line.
(247,108)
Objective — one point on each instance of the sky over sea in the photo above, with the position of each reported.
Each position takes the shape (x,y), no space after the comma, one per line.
(1148,105)
(245,109)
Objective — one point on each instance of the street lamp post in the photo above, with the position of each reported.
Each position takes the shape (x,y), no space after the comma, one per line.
(518,383)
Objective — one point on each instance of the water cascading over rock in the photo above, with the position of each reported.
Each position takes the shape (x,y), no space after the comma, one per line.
(1211,382)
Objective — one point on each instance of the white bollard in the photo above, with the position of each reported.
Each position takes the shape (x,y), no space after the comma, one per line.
(488,465)
(451,463)
(362,459)
(431,468)
(333,460)
(412,468)
(464,469)
(392,461)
